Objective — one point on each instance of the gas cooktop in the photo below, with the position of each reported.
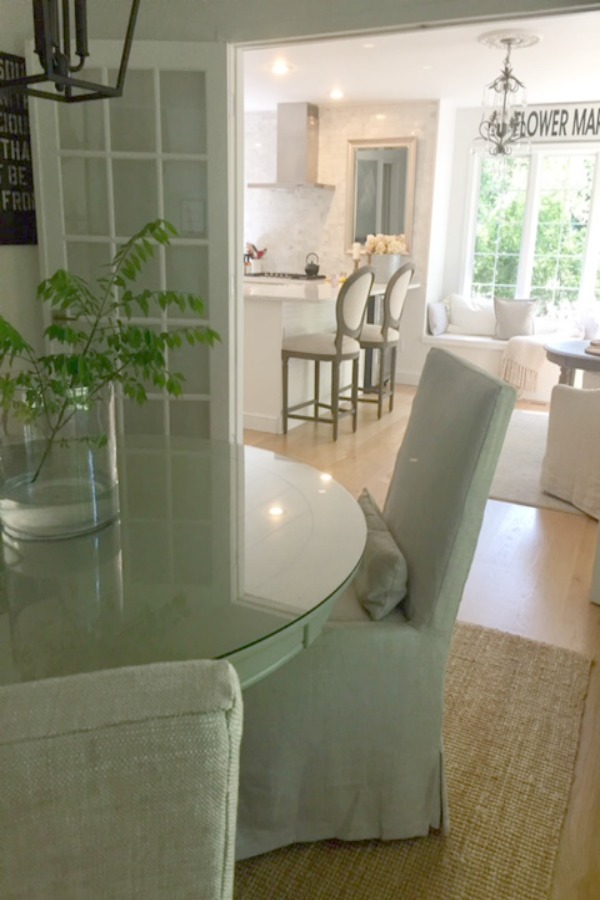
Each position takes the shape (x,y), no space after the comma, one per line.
(294,275)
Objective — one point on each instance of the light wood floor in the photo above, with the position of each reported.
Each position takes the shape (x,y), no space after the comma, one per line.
(530,576)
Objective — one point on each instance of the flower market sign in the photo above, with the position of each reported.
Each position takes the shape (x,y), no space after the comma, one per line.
(563,122)
(17,206)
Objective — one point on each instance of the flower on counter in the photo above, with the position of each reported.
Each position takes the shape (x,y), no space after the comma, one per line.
(253,252)
(379,244)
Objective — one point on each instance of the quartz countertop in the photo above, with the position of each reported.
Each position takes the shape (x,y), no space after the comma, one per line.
(295,289)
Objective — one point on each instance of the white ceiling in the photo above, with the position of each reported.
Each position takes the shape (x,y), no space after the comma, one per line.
(442,63)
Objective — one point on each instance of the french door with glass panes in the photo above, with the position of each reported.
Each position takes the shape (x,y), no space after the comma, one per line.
(105,168)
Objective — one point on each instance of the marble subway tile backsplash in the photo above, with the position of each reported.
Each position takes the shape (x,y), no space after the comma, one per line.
(294,222)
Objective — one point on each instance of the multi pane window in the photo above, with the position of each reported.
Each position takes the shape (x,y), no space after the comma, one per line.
(500,222)
(535,219)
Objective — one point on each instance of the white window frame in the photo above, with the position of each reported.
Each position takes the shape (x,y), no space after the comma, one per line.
(591,258)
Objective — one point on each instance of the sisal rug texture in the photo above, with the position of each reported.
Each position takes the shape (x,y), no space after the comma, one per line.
(513,713)
(517,477)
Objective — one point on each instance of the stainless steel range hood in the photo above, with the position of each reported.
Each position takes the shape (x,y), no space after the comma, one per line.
(297,147)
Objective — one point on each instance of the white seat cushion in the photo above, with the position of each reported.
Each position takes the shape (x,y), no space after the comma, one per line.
(320,343)
(372,334)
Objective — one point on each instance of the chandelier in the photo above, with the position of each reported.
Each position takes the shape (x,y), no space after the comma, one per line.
(60,27)
(505,98)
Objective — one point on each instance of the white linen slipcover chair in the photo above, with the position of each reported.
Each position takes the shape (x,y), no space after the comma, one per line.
(571,464)
(332,347)
(121,784)
(385,337)
(345,740)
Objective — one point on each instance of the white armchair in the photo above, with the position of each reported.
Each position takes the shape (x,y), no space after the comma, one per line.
(120,785)
(345,740)
(571,464)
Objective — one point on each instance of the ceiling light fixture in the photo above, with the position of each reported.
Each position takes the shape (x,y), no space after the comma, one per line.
(505,99)
(60,26)
(280,67)
(336,94)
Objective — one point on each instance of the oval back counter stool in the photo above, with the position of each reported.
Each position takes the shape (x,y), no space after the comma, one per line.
(345,740)
(385,337)
(332,347)
(121,784)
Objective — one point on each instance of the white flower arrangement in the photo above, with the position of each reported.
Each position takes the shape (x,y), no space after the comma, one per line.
(379,244)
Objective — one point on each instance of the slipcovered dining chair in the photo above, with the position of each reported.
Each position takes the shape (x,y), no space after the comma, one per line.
(121,784)
(385,337)
(331,347)
(571,463)
(345,740)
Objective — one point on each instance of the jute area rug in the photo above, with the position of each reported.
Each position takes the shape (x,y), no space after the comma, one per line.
(513,713)
(517,477)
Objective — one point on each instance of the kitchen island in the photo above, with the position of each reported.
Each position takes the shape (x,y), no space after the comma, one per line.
(273,310)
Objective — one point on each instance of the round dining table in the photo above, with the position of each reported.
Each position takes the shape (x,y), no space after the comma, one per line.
(571,355)
(219,551)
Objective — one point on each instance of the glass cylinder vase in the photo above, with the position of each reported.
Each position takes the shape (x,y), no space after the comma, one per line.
(57,482)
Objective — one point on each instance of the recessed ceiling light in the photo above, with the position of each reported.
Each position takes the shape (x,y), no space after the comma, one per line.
(336,94)
(276,511)
(280,67)
(379,116)
(368,46)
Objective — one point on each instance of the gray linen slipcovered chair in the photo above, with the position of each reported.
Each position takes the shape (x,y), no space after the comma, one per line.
(385,337)
(345,740)
(121,784)
(331,347)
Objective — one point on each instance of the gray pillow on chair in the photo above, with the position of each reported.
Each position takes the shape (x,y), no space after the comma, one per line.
(381,581)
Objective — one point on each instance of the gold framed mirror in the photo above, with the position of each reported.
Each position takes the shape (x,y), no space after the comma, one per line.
(381,188)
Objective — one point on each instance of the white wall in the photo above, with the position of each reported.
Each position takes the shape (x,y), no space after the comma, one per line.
(466,130)
(261,20)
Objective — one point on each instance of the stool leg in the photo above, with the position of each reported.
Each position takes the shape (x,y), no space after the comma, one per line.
(284,384)
(335,396)
(393,375)
(317,393)
(354,393)
(381,384)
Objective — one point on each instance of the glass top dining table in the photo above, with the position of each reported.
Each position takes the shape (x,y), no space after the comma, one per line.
(220,551)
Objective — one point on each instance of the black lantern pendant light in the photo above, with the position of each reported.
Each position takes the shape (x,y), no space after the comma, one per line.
(60,26)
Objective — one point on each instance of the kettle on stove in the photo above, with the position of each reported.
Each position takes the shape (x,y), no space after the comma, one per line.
(312,265)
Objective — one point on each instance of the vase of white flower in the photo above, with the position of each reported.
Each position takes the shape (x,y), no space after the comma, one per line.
(386,253)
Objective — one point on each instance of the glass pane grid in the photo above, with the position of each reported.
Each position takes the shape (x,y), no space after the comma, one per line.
(564,211)
(141,158)
(498,230)
(560,200)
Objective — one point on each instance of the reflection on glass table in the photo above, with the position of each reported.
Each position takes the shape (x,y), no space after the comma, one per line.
(220,551)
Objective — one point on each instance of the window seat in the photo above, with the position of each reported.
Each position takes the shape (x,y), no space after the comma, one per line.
(486,352)
(472,341)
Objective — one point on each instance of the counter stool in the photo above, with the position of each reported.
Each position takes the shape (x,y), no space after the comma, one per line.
(334,347)
(385,337)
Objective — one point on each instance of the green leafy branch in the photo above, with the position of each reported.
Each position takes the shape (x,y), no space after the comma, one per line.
(98,343)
